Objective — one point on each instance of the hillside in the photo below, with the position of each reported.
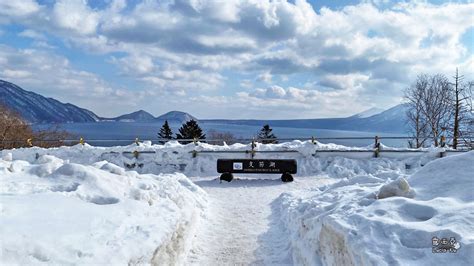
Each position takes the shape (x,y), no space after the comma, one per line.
(176,116)
(38,109)
(138,116)
(391,120)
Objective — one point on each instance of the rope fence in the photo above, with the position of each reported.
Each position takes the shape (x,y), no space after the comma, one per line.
(31,141)
(375,149)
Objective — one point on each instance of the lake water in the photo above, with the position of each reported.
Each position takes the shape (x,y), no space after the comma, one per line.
(123,133)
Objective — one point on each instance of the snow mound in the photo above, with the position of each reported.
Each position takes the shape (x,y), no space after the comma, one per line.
(397,188)
(345,223)
(452,177)
(57,212)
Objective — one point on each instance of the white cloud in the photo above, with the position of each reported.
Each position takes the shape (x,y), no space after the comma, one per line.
(369,51)
(75,15)
(21,8)
(342,82)
(52,75)
(265,77)
(135,64)
(32,34)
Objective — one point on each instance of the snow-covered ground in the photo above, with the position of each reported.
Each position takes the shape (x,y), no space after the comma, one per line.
(375,220)
(85,204)
(57,212)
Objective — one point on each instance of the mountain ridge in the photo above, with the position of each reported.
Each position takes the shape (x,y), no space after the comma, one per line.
(36,108)
(39,109)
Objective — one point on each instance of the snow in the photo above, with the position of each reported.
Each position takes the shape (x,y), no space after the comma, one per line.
(58,212)
(396,188)
(174,157)
(240,228)
(345,223)
(83,205)
(369,112)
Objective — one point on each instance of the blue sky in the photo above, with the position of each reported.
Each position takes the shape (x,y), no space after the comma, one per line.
(232,59)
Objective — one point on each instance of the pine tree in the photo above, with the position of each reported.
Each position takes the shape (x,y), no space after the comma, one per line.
(165,132)
(266,136)
(190,130)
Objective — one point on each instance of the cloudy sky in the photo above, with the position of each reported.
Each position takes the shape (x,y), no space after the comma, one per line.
(229,58)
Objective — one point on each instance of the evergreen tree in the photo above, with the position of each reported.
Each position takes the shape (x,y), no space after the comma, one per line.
(165,132)
(266,136)
(190,130)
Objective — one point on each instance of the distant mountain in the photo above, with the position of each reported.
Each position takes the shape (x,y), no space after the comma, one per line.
(391,120)
(369,112)
(176,116)
(38,109)
(138,116)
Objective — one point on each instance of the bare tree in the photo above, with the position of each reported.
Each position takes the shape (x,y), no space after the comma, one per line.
(436,106)
(15,132)
(220,137)
(430,109)
(466,125)
(418,125)
(53,136)
(458,106)
(13,129)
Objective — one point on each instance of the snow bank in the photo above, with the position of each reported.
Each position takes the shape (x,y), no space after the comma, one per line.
(57,212)
(174,157)
(344,223)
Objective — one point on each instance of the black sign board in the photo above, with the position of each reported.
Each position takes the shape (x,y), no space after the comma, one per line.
(255,166)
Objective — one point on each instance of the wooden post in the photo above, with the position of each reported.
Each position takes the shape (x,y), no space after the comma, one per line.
(195,153)
(136,154)
(195,141)
(252,152)
(313,140)
(442,144)
(137,141)
(377,147)
(443,141)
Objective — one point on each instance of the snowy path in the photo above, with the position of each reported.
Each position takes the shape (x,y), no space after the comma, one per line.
(240,228)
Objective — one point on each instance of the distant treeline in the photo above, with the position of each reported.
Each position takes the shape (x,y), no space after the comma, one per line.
(191,130)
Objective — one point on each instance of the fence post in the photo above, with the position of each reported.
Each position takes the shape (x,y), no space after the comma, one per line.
(313,140)
(443,141)
(137,141)
(81,141)
(252,152)
(377,147)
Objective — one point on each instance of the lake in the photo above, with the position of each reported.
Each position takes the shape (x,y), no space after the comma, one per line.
(123,133)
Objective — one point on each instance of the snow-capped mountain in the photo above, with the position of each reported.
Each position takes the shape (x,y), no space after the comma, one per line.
(38,109)
(138,116)
(176,116)
(390,120)
(368,113)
